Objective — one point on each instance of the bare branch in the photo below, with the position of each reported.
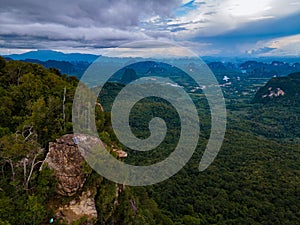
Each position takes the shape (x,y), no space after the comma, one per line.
(30,133)
(25,160)
(33,164)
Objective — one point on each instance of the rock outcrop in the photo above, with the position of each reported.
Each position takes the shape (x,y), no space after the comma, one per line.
(66,157)
(68,164)
(84,206)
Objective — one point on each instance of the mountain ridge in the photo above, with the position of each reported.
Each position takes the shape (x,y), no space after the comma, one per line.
(45,55)
(280,90)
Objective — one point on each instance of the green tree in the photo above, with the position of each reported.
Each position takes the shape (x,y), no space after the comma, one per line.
(190,220)
(2,62)
(34,212)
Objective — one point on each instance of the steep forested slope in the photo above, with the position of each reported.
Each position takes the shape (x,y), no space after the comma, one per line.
(277,108)
(283,91)
(36,108)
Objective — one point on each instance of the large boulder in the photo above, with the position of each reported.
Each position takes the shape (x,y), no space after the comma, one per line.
(68,164)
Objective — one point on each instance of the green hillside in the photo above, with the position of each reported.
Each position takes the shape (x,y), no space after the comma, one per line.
(255,178)
(36,108)
(277,108)
(280,90)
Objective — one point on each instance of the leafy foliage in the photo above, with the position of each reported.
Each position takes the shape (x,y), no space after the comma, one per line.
(31,115)
(254,179)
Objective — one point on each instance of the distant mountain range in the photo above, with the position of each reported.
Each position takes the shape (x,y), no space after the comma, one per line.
(71,64)
(275,68)
(77,63)
(75,68)
(45,55)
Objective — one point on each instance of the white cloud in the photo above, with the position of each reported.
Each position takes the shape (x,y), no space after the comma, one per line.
(284,46)
(246,8)
(220,16)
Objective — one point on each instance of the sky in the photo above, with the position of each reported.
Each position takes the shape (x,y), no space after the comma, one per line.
(208,27)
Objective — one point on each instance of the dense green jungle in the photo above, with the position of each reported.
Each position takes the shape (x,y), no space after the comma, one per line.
(255,178)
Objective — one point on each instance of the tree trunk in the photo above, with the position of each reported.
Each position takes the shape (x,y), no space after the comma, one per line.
(12,170)
(33,164)
(24,170)
(63,108)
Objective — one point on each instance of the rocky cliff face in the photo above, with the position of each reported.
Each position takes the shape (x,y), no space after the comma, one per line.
(78,208)
(67,162)
(70,169)
(65,158)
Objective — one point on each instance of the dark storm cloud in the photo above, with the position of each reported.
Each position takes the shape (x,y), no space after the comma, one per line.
(262,51)
(178,29)
(103,22)
(118,13)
